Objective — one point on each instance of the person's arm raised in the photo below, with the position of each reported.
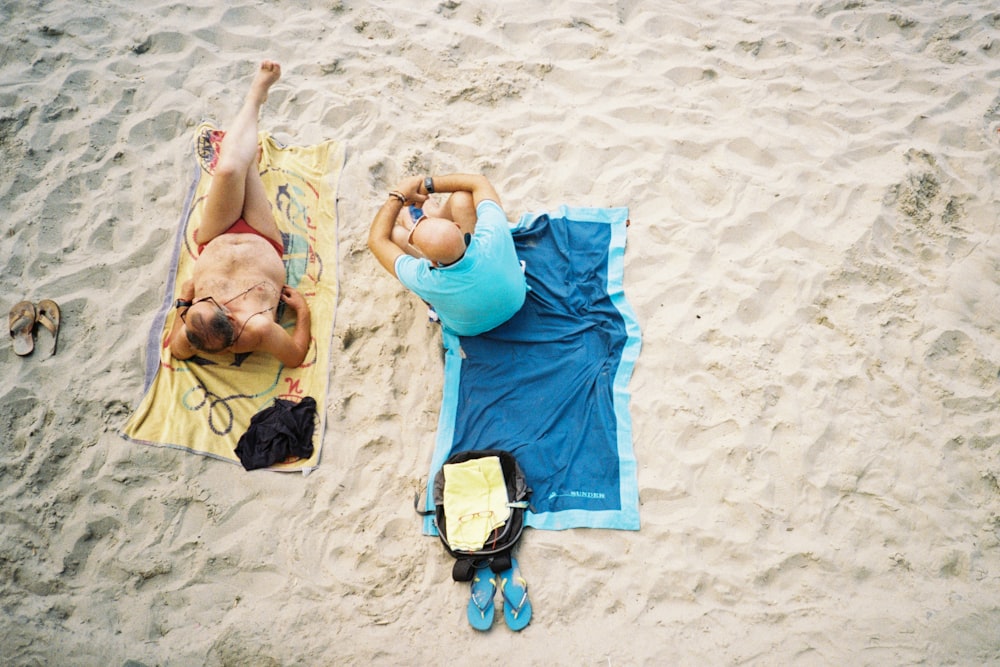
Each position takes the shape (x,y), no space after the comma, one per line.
(180,348)
(477,184)
(177,341)
(380,234)
(290,349)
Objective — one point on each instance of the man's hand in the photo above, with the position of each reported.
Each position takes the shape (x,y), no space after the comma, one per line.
(294,299)
(409,188)
(290,349)
(476,184)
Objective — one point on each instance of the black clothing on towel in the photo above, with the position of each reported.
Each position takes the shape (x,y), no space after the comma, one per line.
(282,430)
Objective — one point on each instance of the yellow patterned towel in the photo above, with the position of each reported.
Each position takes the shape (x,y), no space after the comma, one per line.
(475,501)
(205,404)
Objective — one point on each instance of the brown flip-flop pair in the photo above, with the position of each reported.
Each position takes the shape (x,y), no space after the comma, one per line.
(22,320)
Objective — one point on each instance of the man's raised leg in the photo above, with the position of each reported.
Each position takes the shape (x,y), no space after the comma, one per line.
(237,154)
(460,208)
(256,206)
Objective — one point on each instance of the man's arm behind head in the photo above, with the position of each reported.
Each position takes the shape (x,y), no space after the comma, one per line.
(290,349)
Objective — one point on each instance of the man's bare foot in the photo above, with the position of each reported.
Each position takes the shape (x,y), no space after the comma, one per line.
(266,77)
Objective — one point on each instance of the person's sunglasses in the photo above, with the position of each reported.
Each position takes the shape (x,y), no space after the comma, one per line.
(409,237)
(220,307)
(197,301)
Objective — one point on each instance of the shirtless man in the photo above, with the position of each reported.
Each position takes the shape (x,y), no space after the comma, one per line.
(230,303)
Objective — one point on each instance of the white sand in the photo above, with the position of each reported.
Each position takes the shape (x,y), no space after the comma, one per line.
(812,259)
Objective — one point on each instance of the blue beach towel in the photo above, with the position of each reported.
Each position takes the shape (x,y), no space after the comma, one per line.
(551,384)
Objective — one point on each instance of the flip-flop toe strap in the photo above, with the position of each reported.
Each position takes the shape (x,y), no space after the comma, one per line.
(516,608)
(48,323)
(20,325)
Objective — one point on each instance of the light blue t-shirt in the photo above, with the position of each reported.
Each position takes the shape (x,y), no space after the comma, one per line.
(482,290)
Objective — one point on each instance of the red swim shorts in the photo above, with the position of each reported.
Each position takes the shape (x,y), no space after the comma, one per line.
(241,226)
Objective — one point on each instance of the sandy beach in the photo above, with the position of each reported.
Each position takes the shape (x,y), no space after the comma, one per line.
(812,258)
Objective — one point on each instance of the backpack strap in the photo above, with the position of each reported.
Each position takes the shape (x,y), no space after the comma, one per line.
(463,569)
(416,506)
(502,561)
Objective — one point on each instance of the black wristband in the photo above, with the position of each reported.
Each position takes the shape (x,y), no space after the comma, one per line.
(181,303)
(429,185)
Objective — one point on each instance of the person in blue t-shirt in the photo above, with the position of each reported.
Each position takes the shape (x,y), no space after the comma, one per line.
(457,256)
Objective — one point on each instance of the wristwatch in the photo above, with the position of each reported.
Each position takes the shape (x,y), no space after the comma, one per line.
(181,303)
(429,185)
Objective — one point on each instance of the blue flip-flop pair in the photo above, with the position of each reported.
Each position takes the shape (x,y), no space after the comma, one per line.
(513,588)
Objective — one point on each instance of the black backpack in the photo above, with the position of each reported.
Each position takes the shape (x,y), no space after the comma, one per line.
(496,552)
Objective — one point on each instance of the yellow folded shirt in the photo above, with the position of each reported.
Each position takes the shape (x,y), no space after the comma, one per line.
(475,501)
